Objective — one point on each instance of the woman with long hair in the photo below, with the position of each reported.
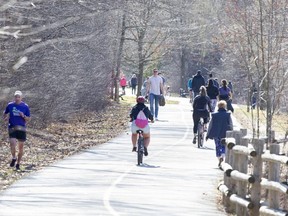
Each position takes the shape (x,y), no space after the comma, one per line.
(201,108)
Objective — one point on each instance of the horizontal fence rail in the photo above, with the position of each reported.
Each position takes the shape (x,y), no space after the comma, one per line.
(243,186)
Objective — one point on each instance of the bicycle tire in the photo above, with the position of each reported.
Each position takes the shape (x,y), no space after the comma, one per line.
(200,134)
(140,151)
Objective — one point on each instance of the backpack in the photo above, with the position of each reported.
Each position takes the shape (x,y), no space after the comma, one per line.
(141,121)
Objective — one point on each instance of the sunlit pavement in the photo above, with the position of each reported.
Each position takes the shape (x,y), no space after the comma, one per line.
(176,179)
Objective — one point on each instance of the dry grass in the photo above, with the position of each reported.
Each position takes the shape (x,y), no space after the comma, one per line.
(280,121)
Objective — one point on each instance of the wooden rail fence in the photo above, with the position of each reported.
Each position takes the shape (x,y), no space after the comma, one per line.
(244,183)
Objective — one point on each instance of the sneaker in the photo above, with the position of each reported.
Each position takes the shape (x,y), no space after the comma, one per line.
(17,166)
(145,151)
(156,119)
(220,161)
(194,140)
(12,164)
(134,149)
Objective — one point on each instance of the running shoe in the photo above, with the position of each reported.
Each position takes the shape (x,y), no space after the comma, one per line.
(12,164)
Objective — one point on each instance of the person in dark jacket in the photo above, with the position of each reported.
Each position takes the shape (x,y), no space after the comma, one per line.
(215,81)
(197,81)
(134,83)
(146,130)
(226,94)
(201,104)
(212,92)
(220,123)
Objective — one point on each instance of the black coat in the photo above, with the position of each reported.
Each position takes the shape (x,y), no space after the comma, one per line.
(197,82)
(212,92)
(220,123)
(137,108)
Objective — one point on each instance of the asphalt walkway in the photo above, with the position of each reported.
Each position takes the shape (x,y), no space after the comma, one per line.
(177,178)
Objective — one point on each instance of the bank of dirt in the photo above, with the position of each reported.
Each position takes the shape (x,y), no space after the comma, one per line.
(60,140)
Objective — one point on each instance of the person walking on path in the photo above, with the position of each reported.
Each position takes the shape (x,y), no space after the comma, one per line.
(230,85)
(18,114)
(154,89)
(144,87)
(220,123)
(215,82)
(226,95)
(212,92)
(140,106)
(134,83)
(201,104)
(197,81)
(123,83)
(190,89)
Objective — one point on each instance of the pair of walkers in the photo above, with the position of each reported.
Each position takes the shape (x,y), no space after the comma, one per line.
(17,114)
(220,122)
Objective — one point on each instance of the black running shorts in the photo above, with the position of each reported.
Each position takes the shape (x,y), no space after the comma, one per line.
(18,134)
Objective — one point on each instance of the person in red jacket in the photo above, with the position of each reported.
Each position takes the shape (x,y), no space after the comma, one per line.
(123,83)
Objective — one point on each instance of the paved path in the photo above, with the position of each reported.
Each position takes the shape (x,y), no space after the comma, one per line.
(178,178)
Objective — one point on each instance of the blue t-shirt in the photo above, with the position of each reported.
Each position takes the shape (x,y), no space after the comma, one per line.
(14,109)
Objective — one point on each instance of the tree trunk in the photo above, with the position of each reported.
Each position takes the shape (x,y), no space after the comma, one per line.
(141,59)
(119,57)
(112,84)
(183,69)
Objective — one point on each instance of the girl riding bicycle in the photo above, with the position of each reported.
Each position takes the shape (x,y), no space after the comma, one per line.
(134,114)
(201,108)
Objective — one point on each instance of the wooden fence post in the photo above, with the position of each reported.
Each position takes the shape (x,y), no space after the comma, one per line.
(242,167)
(258,145)
(274,175)
(229,207)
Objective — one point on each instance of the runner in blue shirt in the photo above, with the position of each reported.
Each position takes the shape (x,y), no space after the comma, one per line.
(18,114)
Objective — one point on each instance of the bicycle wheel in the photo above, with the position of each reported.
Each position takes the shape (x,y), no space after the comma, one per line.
(140,151)
(200,134)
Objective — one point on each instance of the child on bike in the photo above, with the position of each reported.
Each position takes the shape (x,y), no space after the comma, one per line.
(139,115)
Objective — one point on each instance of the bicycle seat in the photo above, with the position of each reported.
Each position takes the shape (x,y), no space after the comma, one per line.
(139,131)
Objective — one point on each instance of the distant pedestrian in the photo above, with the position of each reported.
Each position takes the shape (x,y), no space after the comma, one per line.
(18,114)
(123,83)
(144,87)
(215,81)
(226,95)
(154,89)
(197,81)
(190,89)
(134,83)
(230,86)
(220,123)
(212,92)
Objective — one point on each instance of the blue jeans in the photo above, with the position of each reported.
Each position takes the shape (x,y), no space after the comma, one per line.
(154,99)
(220,148)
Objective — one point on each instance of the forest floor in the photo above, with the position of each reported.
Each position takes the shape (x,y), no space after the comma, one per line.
(60,140)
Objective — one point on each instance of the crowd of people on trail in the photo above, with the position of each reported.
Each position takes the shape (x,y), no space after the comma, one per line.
(204,99)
